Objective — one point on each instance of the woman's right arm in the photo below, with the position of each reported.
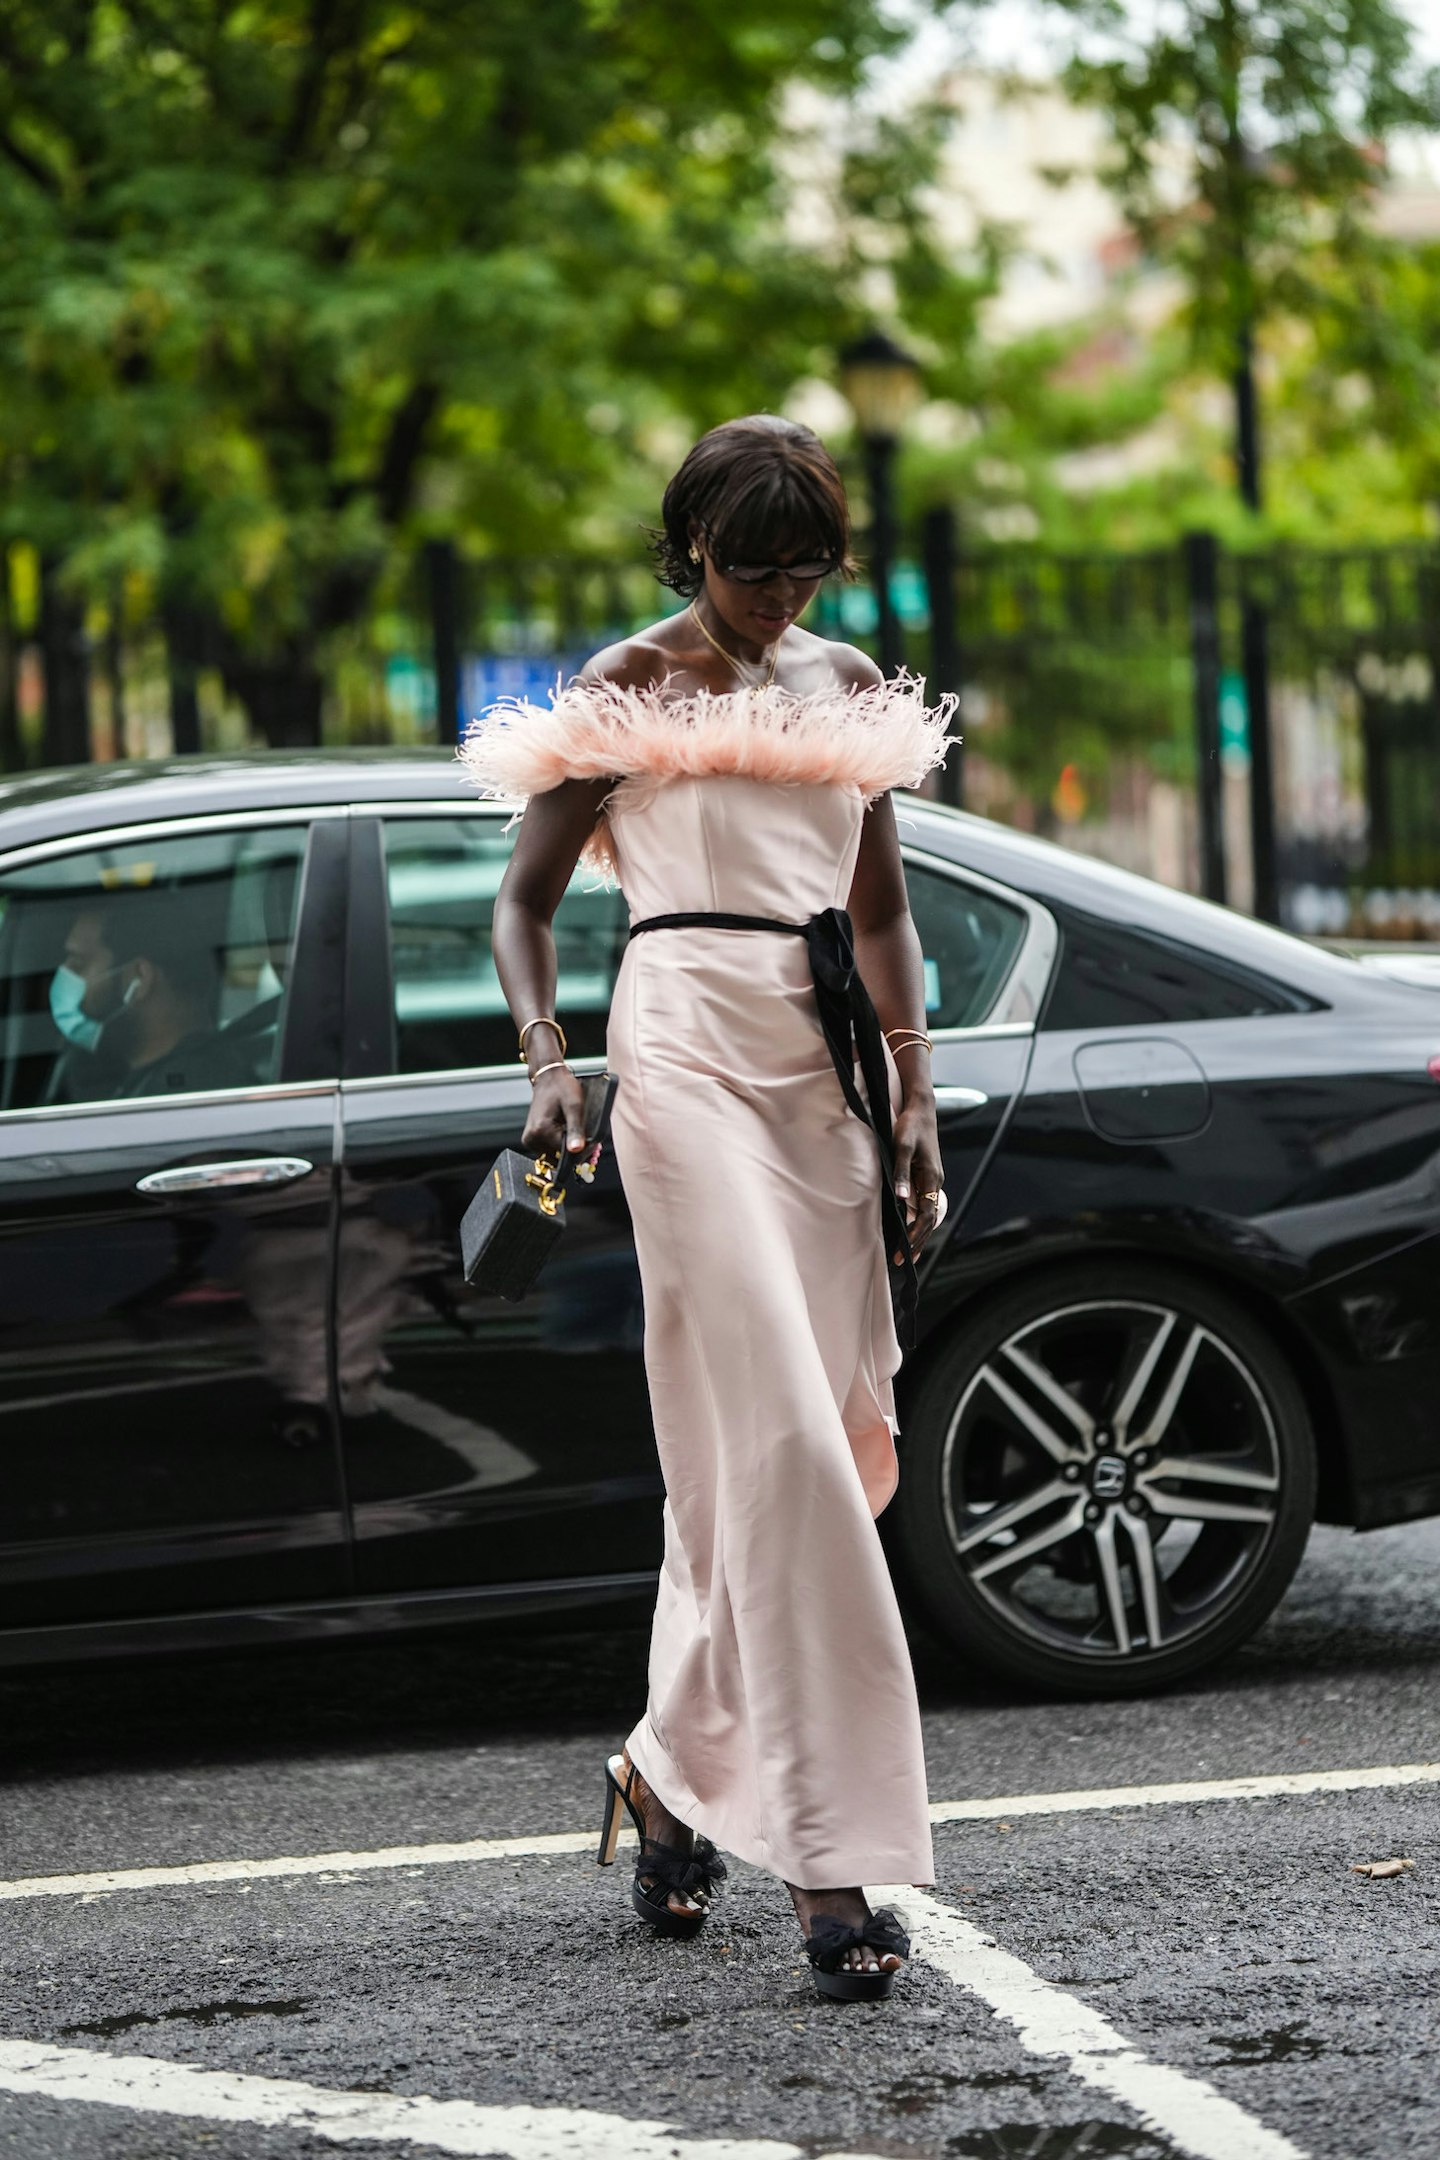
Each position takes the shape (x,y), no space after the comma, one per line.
(552,832)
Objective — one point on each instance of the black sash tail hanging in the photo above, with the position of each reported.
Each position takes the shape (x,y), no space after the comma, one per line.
(851,1028)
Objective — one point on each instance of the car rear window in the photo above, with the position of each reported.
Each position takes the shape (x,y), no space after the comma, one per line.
(970,940)
(1110,976)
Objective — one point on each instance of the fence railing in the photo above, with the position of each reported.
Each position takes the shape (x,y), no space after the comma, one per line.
(1261,727)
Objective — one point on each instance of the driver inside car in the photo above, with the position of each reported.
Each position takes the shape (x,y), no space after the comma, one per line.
(135,996)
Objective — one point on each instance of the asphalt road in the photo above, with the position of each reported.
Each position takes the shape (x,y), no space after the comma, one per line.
(1225,1940)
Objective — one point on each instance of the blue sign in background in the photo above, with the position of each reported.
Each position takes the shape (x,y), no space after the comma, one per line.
(487,677)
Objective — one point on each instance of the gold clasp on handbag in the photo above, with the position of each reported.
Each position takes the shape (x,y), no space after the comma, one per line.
(545,1184)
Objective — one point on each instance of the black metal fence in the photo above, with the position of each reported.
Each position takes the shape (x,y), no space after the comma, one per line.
(1264,728)
(1280,712)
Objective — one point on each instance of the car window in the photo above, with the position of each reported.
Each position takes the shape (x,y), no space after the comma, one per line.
(450,1012)
(970,940)
(1116,977)
(153,967)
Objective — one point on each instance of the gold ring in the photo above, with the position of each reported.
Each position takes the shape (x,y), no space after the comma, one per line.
(931,1195)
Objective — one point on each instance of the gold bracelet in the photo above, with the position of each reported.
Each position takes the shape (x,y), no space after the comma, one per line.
(555,1065)
(543,1020)
(906,1031)
(914,1040)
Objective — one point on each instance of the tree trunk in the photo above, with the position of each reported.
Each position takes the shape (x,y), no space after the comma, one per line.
(283,695)
(67,670)
(12,749)
(185,646)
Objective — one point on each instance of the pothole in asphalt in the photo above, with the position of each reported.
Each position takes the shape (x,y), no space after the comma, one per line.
(1283,2043)
(215,2013)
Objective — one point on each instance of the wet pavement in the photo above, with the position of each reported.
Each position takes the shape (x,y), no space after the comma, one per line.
(1225,1940)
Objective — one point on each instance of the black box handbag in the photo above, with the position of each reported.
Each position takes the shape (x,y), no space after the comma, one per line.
(517,1217)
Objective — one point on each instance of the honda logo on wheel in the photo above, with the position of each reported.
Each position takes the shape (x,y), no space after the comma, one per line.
(1107,1479)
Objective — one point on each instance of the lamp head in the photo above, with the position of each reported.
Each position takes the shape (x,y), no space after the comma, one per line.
(882,384)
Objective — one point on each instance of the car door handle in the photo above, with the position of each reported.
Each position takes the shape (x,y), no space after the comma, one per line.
(960,1099)
(224,1176)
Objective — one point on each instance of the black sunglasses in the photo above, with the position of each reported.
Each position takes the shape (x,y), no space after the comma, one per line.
(805,573)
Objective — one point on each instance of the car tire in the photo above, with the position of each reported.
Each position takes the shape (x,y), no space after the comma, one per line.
(1024,1542)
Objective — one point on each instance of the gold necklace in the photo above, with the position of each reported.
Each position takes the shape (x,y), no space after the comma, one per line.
(738,664)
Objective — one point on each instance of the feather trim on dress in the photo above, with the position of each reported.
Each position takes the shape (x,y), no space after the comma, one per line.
(873,739)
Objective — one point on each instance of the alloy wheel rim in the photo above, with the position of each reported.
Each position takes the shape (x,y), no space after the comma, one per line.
(1111,1479)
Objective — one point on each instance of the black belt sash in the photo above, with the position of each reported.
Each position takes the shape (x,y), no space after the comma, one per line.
(851,1026)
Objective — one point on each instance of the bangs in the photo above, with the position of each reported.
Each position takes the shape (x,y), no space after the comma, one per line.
(780,509)
(759,487)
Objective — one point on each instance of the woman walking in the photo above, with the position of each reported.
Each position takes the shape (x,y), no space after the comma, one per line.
(733,771)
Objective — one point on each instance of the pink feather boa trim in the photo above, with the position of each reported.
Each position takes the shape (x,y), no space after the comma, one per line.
(873,739)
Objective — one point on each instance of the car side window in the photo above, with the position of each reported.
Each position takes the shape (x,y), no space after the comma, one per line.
(970,940)
(442,875)
(153,967)
(1114,977)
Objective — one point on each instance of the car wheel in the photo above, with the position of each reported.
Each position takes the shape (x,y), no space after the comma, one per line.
(1107,1480)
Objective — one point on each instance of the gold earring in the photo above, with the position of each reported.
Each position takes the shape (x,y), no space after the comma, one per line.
(694,552)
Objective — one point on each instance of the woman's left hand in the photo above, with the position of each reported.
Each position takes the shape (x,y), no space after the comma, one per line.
(919,1174)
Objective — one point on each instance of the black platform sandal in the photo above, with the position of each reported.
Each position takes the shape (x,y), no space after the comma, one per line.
(830,1941)
(665,1868)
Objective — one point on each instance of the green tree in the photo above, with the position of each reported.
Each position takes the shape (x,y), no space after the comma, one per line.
(1249,139)
(289,285)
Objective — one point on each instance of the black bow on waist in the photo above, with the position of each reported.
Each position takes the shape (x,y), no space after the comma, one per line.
(851,1027)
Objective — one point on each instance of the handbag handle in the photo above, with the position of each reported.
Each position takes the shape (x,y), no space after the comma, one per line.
(599,1095)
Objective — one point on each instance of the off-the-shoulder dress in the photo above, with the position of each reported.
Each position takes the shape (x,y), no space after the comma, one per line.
(782,1718)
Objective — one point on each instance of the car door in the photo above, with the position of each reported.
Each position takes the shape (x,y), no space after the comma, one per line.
(988,953)
(169,1041)
(488,1442)
(485,1442)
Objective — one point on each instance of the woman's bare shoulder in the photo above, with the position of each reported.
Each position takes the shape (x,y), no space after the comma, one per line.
(823,663)
(641,662)
(854,670)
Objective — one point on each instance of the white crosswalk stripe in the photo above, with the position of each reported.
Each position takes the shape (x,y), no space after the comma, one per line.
(104,1881)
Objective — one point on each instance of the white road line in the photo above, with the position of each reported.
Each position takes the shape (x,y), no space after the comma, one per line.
(1140,1796)
(334,1863)
(1050,2022)
(152,2087)
(573,1841)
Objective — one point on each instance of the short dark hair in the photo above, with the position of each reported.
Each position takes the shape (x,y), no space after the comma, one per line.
(168,930)
(758,485)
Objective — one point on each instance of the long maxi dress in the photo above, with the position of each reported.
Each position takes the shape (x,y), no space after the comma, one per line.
(781,1715)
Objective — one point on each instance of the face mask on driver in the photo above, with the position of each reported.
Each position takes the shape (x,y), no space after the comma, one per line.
(67,992)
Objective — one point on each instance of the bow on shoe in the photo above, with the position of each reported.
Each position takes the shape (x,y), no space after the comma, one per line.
(830,1940)
(685,1872)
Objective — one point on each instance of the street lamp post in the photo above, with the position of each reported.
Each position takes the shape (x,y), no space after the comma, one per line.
(882,383)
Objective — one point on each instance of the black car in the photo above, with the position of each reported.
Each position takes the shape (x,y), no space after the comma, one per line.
(255,1059)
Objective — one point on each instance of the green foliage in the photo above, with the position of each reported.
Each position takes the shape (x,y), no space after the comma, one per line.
(1248,149)
(1247,136)
(1249,144)
(286,284)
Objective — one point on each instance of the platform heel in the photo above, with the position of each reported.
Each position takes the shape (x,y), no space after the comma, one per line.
(664,1868)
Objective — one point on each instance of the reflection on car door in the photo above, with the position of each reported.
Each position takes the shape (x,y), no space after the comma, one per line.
(485,1441)
(165,1222)
(988,953)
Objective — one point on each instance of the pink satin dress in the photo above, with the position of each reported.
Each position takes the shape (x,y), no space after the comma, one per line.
(782,1719)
